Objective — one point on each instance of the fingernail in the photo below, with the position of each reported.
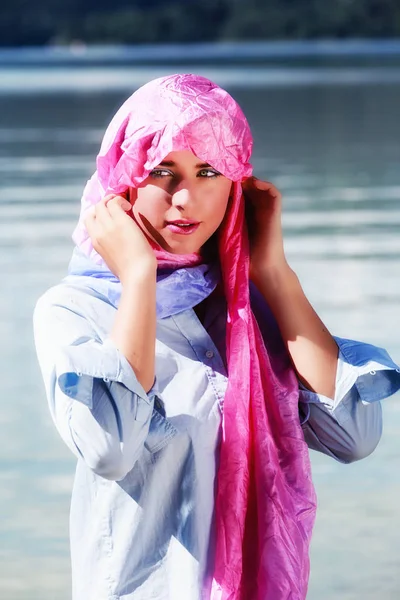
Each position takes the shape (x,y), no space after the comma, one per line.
(260,185)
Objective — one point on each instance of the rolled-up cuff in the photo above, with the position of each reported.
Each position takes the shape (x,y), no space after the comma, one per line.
(77,367)
(368,368)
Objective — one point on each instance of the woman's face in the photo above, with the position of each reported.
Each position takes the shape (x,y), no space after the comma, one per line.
(181,203)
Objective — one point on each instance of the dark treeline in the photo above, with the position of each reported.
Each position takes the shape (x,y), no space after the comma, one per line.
(152,21)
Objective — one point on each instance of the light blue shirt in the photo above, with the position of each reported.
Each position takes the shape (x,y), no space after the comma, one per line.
(143,496)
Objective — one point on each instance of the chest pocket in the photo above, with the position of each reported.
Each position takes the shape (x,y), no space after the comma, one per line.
(161,431)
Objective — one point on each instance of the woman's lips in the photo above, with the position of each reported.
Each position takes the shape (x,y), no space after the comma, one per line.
(182,227)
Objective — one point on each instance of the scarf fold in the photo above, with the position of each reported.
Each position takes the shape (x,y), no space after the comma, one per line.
(176,290)
(265,500)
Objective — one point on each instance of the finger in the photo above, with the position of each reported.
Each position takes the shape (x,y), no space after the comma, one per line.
(104,201)
(273,191)
(90,219)
(106,212)
(264,186)
(253,187)
(248,183)
(260,184)
(116,203)
(254,182)
(101,208)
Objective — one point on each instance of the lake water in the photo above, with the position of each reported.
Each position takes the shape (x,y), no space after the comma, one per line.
(329,138)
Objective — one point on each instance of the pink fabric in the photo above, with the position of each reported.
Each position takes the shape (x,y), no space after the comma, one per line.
(265,504)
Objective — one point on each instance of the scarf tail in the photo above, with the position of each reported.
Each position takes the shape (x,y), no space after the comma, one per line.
(265,506)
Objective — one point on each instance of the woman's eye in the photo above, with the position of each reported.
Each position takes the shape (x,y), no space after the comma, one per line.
(160,173)
(209,173)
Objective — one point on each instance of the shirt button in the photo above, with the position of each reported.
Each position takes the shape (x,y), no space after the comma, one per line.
(372,372)
(209,353)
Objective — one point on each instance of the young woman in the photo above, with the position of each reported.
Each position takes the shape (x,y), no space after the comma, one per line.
(186,369)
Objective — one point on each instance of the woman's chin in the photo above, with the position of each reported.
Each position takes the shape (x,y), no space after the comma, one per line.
(184,246)
(182,249)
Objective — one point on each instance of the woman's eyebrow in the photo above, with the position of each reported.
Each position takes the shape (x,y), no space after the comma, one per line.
(170,163)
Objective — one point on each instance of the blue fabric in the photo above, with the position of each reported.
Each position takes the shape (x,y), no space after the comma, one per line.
(365,375)
(177,290)
(380,375)
(143,498)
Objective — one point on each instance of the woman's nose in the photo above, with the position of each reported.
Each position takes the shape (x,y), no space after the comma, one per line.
(182,196)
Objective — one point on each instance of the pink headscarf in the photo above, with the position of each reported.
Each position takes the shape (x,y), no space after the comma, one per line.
(265,505)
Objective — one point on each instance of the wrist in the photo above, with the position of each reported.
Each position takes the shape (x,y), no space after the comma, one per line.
(139,273)
(277,282)
(276,275)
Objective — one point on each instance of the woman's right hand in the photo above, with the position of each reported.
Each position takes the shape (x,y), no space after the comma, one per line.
(118,239)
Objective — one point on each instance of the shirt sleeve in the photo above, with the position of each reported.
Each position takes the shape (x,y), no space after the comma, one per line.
(98,406)
(349,426)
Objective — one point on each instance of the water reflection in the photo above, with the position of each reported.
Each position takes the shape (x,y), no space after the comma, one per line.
(333,149)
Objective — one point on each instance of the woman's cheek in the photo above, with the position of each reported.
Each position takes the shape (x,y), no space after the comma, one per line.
(149,209)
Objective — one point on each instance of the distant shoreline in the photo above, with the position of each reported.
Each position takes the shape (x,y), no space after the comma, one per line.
(217,53)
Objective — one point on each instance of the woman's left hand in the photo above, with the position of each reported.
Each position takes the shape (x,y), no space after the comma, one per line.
(263,216)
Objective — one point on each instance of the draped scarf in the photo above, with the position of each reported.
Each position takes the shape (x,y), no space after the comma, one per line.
(265,500)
